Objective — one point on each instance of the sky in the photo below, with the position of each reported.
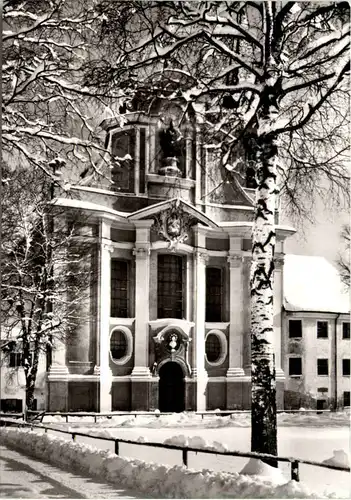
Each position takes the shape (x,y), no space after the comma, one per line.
(321,237)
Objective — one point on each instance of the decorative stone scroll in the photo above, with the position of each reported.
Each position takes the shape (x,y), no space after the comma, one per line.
(141,252)
(107,246)
(201,256)
(173,225)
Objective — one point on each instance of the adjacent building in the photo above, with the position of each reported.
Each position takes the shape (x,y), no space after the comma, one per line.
(316,334)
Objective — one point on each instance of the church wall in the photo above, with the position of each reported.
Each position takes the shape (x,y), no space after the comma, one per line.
(229,214)
(216,395)
(217,244)
(166,191)
(81,343)
(121,395)
(122,235)
(83,396)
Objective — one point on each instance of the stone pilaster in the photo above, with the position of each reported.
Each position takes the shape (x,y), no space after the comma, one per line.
(236,329)
(58,379)
(235,374)
(141,375)
(199,371)
(105,309)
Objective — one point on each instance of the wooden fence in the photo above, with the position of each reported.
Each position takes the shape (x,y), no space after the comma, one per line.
(39,415)
(184,449)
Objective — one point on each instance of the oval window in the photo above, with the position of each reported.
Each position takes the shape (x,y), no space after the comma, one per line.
(213,348)
(118,344)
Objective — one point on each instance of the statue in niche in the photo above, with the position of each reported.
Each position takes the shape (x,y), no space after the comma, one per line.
(170,142)
(173,342)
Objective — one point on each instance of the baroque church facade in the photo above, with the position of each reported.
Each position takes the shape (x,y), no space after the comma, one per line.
(169,319)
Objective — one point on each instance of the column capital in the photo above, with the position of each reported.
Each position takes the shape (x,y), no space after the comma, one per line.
(235,259)
(141,252)
(247,258)
(279,261)
(201,255)
(107,246)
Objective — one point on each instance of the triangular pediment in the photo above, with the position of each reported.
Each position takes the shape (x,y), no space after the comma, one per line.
(171,205)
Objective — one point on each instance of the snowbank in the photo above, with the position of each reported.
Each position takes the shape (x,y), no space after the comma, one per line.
(148,478)
(185,420)
(256,467)
(196,442)
(340,458)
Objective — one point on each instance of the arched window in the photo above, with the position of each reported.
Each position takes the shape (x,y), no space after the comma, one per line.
(120,288)
(122,173)
(214,294)
(170,286)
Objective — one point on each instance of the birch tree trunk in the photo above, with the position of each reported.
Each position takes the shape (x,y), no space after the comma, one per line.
(263,388)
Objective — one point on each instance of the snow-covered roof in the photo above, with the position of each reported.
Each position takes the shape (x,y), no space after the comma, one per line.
(313,284)
(90,206)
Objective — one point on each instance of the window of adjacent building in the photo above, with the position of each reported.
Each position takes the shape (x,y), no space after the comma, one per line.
(213,348)
(122,173)
(322,366)
(346,330)
(322,329)
(346,398)
(12,405)
(170,286)
(295,366)
(321,404)
(346,367)
(15,359)
(119,288)
(214,294)
(118,344)
(295,328)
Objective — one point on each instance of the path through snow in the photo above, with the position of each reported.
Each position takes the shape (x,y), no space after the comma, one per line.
(26,477)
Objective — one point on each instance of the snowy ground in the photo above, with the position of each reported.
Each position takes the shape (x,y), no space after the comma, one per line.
(155,480)
(25,477)
(310,436)
(303,435)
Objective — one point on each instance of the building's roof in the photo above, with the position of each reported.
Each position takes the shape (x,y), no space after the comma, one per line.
(313,284)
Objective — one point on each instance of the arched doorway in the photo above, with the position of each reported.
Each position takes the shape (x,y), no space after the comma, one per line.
(171,388)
